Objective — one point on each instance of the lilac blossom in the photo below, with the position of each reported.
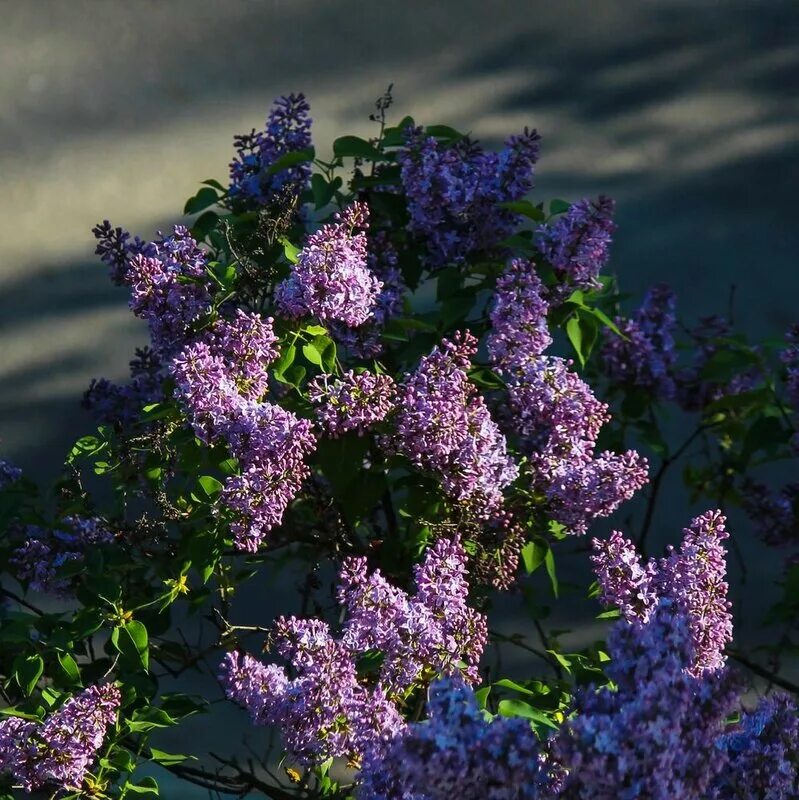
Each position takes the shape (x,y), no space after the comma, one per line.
(38,561)
(9,473)
(443,426)
(646,357)
(577,244)
(365,340)
(773,514)
(762,753)
(353,402)
(167,279)
(60,751)
(458,752)
(557,419)
(454,191)
(114,404)
(652,736)
(331,279)
(330,709)
(518,317)
(288,130)
(692,578)
(790,357)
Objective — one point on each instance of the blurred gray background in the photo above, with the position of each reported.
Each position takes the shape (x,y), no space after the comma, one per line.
(687,111)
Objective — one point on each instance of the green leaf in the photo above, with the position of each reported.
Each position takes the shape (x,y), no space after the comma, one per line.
(444,132)
(69,666)
(518,708)
(323,190)
(131,642)
(315,330)
(286,359)
(506,683)
(291,159)
(355,147)
(559,206)
(290,250)
(146,785)
(211,486)
(481,696)
(526,209)
(549,563)
(167,759)
(614,613)
(28,670)
(321,352)
(533,555)
(582,332)
(205,198)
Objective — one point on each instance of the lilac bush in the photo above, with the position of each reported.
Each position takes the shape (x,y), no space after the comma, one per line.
(389,372)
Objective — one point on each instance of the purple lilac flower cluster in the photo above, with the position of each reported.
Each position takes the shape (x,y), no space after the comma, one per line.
(253,180)
(38,561)
(553,412)
(329,709)
(365,340)
(646,357)
(652,736)
(790,357)
(59,752)
(519,329)
(762,753)
(167,278)
(454,191)
(443,425)
(577,244)
(773,514)
(457,752)
(9,473)
(220,379)
(353,402)
(692,578)
(331,279)
(111,403)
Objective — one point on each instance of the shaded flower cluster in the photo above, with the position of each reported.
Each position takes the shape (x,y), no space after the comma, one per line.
(40,559)
(773,514)
(353,402)
(646,357)
(253,179)
(762,753)
(220,379)
(577,244)
(692,578)
(331,279)
(337,704)
(443,425)
(454,191)
(519,329)
(9,473)
(59,752)
(458,752)
(365,340)
(167,279)
(790,357)
(654,735)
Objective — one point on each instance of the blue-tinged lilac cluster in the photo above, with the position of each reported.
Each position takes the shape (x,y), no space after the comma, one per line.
(220,379)
(697,386)
(167,278)
(654,735)
(790,357)
(773,514)
(459,753)
(120,404)
(519,329)
(58,753)
(329,708)
(331,279)
(577,244)
(9,473)
(354,402)
(645,357)
(365,341)
(454,191)
(692,578)
(253,181)
(761,754)
(443,426)
(40,559)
